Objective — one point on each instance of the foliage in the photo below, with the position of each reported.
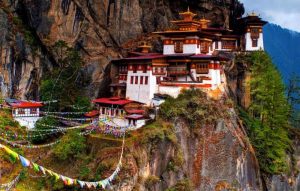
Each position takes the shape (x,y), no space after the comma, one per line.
(36,138)
(71,146)
(157,131)
(192,105)
(84,172)
(270,144)
(183,185)
(60,84)
(268,101)
(293,95)
(268,115)
(151,181)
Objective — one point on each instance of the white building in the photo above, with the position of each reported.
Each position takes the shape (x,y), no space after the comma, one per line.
(189,59)
(25,112)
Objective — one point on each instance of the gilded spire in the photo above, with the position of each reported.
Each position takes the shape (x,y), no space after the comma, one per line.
(188,15)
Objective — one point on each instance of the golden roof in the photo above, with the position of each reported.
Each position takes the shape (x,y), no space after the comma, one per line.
(188,14)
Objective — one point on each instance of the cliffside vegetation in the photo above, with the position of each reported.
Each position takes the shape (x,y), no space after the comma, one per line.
(267,118)
(61,83)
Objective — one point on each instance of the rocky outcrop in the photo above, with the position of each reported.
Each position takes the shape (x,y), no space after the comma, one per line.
(215,157)
(100,30)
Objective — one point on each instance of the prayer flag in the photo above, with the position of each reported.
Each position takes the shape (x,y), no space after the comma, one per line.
(24,161)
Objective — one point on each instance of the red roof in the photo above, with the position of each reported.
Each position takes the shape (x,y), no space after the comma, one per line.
(149,56)
(135,111)
(204,56)
(24,104)
(113,101)
(93,113)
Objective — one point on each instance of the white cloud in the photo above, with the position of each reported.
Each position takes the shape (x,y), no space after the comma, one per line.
(282,12)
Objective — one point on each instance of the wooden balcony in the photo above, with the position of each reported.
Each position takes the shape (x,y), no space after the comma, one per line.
(202,70)
(178,72)
(159,73)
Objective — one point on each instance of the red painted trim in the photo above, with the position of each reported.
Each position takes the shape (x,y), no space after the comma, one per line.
(188,85)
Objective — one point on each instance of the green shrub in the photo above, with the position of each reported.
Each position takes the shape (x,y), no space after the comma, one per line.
(71,146)
(193,106)
(40,125)
(183,185)
(151,181)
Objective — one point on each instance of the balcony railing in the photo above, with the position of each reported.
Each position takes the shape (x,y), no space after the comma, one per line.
(202,70)
(178,71)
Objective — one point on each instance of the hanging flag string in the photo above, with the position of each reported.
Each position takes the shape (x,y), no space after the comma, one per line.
(68,181)
(62,113)
(14,144)
(69,119)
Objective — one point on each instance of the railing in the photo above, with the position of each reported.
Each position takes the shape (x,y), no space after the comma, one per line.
(178,72)
(202,70)
(159,73)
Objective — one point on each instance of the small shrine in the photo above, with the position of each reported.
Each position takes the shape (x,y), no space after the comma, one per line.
(120,112)
(27,113)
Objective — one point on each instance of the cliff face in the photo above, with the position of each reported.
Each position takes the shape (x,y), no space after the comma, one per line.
(214,157)
(100,30)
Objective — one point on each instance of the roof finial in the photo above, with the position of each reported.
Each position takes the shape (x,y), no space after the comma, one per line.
(188,9)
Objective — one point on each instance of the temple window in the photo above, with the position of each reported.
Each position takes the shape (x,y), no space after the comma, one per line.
(33,111)
(216,45)
(254,43)
(204,47)
(144,68)
(228,44)
(178,47)
(131,80)
(141,79)
(136,80)
(134,68)
(146,80)
(202,68)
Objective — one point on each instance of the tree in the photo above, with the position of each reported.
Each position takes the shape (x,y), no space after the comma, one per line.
(60,84)
(293,95)
(267,119)
(71,145)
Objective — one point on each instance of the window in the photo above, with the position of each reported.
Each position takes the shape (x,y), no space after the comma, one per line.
(202,68)
(204,47)
(254,42)
(178,47)
(228,44)
(141,79)
(144,67)
(146,80)
(33,111)
(131,80)
(134,68)
(136,80)
(158,80)
(216,45)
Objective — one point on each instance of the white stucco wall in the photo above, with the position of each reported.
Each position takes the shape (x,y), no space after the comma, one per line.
(170,90)
(141,92)
(260,42)
(28,122)
(191,49)
(168,49)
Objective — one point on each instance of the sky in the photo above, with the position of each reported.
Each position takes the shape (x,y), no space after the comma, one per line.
(285,13)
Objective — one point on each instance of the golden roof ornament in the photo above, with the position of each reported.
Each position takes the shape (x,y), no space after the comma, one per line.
(188,15)
(145,47)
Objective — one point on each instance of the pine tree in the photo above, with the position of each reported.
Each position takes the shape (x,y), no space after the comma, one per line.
(268,116)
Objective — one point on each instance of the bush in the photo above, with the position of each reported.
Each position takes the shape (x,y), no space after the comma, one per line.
(183,185)
(151,181)
(40,125)
(191,105)
(71,146)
